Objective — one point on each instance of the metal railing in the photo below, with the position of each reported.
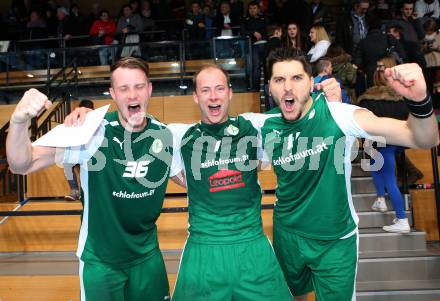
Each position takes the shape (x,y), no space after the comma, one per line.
(64,83)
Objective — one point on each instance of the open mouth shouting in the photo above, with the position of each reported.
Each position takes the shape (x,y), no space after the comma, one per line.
(214,109)
(134,108)
(289,103)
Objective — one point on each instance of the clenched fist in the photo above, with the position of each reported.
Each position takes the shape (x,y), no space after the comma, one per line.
(31,104)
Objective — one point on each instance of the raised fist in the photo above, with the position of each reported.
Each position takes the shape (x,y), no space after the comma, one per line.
(31,104)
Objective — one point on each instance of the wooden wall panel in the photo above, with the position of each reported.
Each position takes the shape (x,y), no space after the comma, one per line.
(425,213)
(53,288)
(245,102)
(39,288)
(40,233)
(180,109)
(183,109)
(5,113)
(422,159)
(49,182)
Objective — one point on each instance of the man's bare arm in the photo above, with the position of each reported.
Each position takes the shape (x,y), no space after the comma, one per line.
(416,132)
(22,157)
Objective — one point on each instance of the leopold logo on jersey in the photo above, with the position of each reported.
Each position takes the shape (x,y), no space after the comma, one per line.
(226,179)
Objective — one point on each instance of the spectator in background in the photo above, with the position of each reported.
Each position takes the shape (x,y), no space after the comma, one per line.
(212,7)
(297,12)
(194,22)
(324,71)
(237,9)
(431,50)
(320,40)
(103,32)
(352,28)
(412,27)
(383,101)
(134,4)
(293,37)
(373,47)
(129,22)
(147,15)
(431,44)
(318,12)
(69,169)
(128,28)
(426,9)
(36,26)
(225,20)
(277,12)
(94,14)
(78,20)
(254,26)
(209,22)
(412,49)
(275,33)
(343,69)
(64,28)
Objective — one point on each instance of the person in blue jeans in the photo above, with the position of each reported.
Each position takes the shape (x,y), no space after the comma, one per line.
(385,180)
(384,102)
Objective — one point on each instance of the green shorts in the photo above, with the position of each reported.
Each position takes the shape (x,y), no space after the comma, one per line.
(244,271)
(144,281)
(327,267)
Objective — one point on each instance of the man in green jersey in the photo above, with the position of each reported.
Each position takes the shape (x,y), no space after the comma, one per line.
(226,256)
(124,173)
(308,141)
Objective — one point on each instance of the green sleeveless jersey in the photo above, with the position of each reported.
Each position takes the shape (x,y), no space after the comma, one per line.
(220,163)
(123,180)
(311,159)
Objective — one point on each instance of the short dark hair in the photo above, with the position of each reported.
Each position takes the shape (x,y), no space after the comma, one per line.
(102,11)
(430,25)
(394,26)
(86,103)
(322,63)
(209,66)
(131,63)
(270,29)
(407,2)
(287,55)
(254,3)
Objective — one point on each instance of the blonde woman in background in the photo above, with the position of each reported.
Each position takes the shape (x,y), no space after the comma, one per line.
(320,40)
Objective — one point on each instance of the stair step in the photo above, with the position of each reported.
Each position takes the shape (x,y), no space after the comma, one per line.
(377,240)
(357,171)
(372,219)
(362,185)
(395,285)
(400,295)
(364,201)
(399,268)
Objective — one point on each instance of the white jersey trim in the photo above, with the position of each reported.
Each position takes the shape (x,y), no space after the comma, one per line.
(178,130)
(343,114)
(84,230)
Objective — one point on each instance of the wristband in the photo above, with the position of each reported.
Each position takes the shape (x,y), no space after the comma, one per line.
(422,109)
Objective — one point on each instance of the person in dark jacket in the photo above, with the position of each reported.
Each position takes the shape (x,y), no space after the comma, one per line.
(412,27)
(225,21)
(412,49)
(383,101)
(254,26)
(274,32)
(352,28)
(373,47)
